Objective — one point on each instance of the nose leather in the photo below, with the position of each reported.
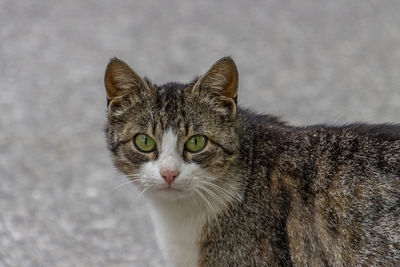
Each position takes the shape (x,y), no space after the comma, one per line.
(169,175)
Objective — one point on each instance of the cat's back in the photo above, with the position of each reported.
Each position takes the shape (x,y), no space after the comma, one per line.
(373,146)
(377,132)
(332,192)
(363,148)
(345,205)
(356,193)
(389,132)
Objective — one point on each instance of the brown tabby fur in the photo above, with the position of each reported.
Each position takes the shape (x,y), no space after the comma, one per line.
(310,196)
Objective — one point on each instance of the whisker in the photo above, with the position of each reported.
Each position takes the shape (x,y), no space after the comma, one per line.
(132,178)
(216,197)
(122,184)
(211,208)
(223,190)
(237,197)
(226,194)
(134,175)
(234,188)
(140,194)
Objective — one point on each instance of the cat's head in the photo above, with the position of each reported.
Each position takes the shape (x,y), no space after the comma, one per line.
(176,140)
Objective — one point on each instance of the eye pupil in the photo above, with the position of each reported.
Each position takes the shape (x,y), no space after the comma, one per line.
(195,141)
(145,140)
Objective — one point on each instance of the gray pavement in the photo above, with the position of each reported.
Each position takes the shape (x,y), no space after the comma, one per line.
(310,61)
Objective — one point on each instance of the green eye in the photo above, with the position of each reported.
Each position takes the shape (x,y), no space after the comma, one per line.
(144,143)
(196,143)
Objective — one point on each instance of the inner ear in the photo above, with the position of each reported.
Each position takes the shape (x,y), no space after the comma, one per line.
(120,80)
(221,80)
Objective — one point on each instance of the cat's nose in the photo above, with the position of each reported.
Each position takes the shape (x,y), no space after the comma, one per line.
(169,175)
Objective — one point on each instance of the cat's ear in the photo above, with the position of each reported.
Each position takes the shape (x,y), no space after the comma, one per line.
(221,81)
(121,80)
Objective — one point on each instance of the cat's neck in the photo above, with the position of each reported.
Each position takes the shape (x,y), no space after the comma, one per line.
(269,145)
(178,226)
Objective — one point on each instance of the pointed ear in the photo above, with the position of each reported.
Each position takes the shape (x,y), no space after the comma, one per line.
(121,80)
(221,80)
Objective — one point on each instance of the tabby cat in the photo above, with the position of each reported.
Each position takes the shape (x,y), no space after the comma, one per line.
(229,187)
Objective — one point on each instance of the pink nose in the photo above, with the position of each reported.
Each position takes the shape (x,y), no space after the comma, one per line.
(169,175)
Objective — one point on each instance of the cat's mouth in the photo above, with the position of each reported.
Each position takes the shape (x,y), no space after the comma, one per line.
(170,188)
(172,192)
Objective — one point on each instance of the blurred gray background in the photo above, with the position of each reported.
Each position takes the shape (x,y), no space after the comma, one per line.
(61,201)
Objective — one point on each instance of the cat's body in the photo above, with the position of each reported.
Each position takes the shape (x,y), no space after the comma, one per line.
(316,196)
(258,192)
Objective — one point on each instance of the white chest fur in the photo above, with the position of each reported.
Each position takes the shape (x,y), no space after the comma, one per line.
(178,228)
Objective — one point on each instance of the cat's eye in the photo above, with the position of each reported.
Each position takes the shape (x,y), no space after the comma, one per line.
(196,143)
(144,143)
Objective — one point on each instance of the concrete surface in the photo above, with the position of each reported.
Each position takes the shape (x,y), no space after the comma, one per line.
(310,61)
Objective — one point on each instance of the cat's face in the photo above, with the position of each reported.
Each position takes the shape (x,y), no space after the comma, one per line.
(177,140)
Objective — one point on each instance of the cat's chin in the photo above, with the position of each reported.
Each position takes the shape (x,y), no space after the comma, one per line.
(170,194)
